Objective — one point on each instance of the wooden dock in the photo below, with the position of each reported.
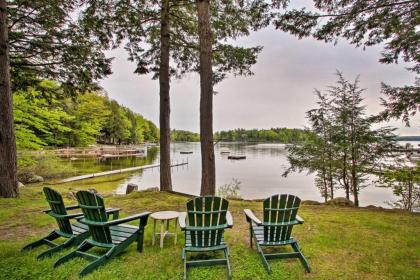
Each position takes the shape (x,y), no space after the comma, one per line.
(117,171)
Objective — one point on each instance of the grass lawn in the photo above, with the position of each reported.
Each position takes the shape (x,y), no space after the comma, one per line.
(339,243)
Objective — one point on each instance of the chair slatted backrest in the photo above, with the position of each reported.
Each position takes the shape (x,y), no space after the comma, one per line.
(55,200)
(93,209)
(279,217)
(206,220)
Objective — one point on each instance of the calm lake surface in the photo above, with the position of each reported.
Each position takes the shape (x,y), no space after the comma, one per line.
(260,174)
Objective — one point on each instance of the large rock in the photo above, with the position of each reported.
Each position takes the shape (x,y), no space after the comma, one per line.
(340,201)
(131,188)
(311,202)
(152,189)
(20,185)
(35,179)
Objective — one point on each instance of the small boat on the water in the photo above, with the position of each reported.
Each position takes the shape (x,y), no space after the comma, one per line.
(237,157)
(225,152)
(185,152)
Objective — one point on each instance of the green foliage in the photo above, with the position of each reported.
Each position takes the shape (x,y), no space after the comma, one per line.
(184,136)
(278,135)
(389,23)
(231,190)
(42,163)
(344,148)
(136,25)
(405,182)
(39,120)
(47,41)
(43,117)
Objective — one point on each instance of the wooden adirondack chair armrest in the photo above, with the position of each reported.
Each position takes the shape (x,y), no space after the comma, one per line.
(229,219)
(299,219)
(72,207)
(182,220)
(143,219)
(74,216)
(250,217)
(67,216)
(114,211)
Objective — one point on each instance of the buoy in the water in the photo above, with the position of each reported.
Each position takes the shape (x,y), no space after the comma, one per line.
(236,157)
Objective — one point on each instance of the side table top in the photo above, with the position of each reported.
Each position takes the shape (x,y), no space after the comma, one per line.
(165,215)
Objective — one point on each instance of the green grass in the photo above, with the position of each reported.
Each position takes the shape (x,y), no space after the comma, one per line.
(340,243)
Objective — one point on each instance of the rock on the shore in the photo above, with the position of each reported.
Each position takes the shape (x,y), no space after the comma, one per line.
(35,179)
(340,201)
(311,202)
(131,188)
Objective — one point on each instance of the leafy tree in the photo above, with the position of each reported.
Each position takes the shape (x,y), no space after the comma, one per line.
(46,41)
(90,114)
(161,37)
(39,121)
(184,136)
(44,117)
(117,128)
(345,148)
(405,182)
(278,135)
(392,23)
(42,39)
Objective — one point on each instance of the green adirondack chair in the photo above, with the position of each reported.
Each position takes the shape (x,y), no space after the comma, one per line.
(207,217)
(280,215)
(75,232)
(113,235)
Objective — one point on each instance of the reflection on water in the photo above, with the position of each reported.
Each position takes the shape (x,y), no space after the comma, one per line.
(94,165)
(260,174)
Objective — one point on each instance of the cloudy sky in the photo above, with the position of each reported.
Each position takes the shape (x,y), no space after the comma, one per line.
(277,95)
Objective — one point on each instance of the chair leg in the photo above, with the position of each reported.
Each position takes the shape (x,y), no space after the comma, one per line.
(226,251)
(50,252)
(82,248)
(140,237)
(302,258)
(250,234)
(263,259)
(184,257)
(65,258)
(94,265)
(52,236)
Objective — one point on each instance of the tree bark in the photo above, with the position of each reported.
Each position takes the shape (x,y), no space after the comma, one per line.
(165,106)
(8,166)
(208,169)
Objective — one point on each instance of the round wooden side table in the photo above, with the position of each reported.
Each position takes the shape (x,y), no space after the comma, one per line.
(163,216)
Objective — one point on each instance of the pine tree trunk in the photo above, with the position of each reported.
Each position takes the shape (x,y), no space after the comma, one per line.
(208,169)
(8,168)
(345,180)
(165,106)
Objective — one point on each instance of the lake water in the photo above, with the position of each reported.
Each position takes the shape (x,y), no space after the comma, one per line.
(260,174)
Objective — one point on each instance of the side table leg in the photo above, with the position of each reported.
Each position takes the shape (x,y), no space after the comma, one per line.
(162,234)
(154,232)
(176,229)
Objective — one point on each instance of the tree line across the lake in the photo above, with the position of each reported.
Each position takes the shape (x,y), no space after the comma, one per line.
(273,135)
(277,135)
(44,116)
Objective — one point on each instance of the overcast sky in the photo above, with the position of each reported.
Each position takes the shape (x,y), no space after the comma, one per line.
(278,95)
